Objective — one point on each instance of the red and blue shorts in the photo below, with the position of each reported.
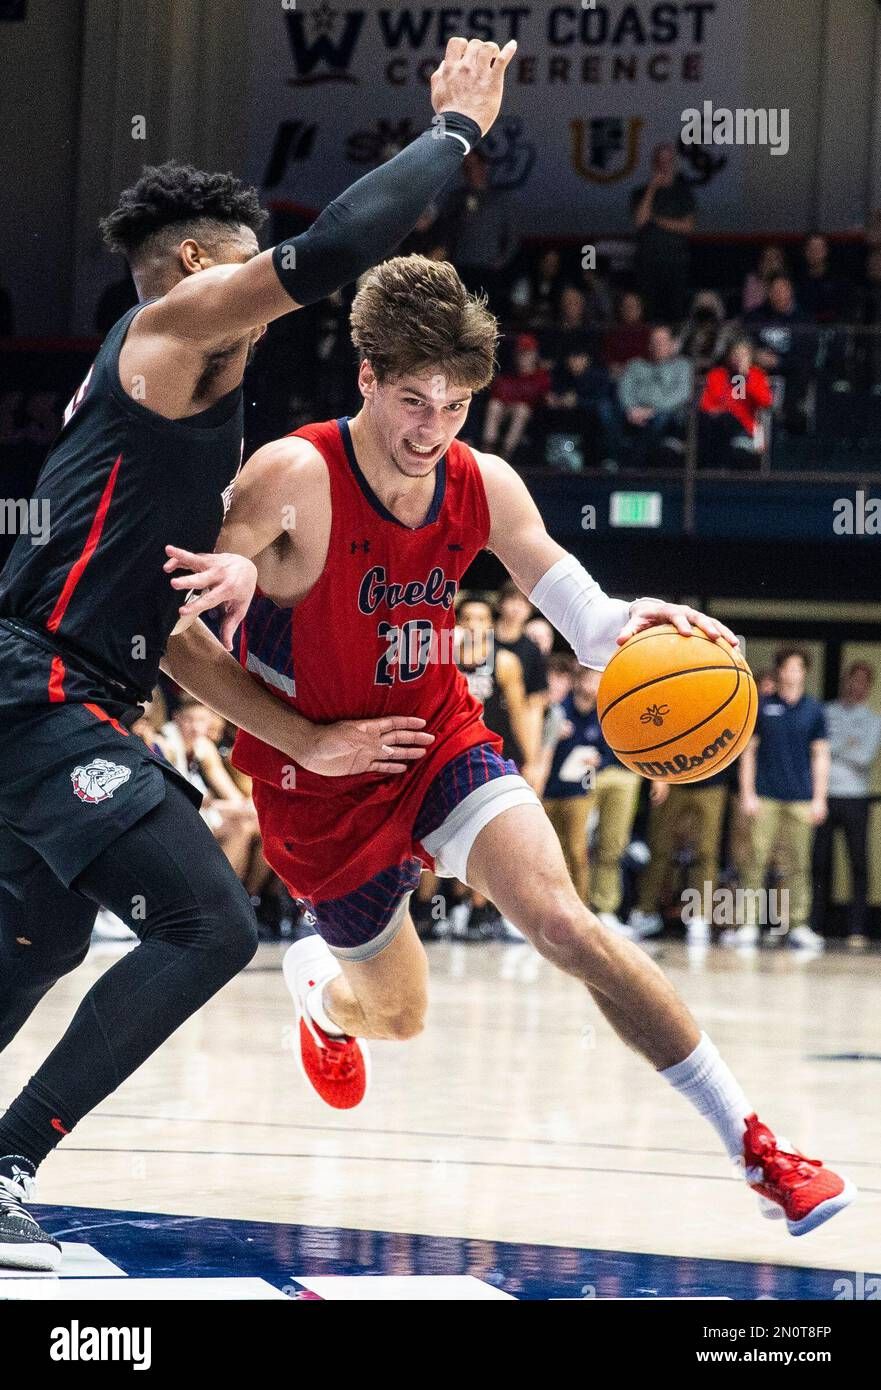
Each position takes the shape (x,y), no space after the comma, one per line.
(468,793)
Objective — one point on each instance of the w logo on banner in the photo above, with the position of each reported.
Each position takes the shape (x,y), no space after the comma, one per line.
(326,46)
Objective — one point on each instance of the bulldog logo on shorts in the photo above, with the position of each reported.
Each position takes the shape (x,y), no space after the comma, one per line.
(98,780)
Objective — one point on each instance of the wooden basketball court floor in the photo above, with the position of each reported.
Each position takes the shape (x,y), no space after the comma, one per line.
(516,1149)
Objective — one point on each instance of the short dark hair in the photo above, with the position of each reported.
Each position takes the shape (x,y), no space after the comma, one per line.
(786,653)
(179,196)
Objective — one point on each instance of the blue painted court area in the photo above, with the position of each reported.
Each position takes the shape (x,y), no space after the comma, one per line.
(328,1263)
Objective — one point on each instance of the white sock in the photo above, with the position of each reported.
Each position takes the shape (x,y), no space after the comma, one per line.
(318,1014)
(705,1080)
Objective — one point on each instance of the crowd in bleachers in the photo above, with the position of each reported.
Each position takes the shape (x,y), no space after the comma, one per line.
(621,358)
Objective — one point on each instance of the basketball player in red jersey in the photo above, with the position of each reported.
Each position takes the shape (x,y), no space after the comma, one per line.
(361,531)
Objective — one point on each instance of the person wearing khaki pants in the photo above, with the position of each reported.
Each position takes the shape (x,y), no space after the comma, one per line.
(700,805)
(784,777)
(616,801)
(789,825)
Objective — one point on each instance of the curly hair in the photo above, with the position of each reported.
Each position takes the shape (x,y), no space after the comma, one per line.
(414,315)
(179,196)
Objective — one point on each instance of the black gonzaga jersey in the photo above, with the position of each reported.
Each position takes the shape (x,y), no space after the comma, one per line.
(119,484)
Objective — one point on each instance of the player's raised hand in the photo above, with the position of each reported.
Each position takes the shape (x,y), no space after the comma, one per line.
(654,612)
(471,80)
(221,581)
(354,747)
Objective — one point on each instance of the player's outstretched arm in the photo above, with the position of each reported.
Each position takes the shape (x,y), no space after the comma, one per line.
(356,231)
(202,666)
(560,586)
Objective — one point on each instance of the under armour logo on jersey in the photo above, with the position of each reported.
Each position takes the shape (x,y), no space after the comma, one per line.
(455,547)
(98,780)
(363,545)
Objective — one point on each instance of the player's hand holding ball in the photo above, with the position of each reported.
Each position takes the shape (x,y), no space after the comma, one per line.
(649,612)
(677,702)
(471,80)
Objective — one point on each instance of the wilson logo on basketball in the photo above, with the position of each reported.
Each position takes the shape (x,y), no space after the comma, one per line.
(655,714)
(98,780)
(673,767)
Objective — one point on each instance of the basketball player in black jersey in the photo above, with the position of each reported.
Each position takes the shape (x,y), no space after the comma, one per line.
(151,443)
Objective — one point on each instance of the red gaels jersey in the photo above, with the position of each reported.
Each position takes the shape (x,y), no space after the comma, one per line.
(373,637)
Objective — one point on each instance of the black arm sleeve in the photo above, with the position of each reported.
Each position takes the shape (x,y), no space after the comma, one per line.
(369,220)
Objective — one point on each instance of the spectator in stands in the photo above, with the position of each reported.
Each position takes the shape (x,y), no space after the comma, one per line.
(561,669)
(572,332)
(654,395)
(598,297)
(539,631)
(733,396)
(535,296)
(573,751)
(822,296)
(664,217)
(772,262)
(582,402)
(784,779)
(479,228)
(784,347)
(628,336)
(706,335)
(113,302)
(616,801)
(495,677)
(854,741)
(229,814)
(701,806)
(576,383)
(513,612)
(514,398)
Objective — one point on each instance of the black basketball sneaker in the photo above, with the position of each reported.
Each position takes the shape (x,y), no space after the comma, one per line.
(23,1244)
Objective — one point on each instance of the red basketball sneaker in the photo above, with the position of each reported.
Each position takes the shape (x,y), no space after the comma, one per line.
(338,1068)
(790,1185)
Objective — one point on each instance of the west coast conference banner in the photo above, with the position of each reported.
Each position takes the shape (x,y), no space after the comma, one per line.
(337,85)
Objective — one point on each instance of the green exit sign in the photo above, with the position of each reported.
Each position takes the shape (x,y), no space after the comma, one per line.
(635,509)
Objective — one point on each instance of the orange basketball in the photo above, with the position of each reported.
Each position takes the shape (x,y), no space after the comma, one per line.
(677,709)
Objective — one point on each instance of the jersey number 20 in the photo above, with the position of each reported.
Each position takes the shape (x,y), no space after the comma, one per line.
(408,651)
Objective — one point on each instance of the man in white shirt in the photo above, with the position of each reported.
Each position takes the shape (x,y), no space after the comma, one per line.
(854,740)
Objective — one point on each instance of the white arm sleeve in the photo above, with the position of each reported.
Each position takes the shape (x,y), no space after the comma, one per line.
(576,606)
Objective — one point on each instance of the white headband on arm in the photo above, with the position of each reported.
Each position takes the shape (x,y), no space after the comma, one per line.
(576,606)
